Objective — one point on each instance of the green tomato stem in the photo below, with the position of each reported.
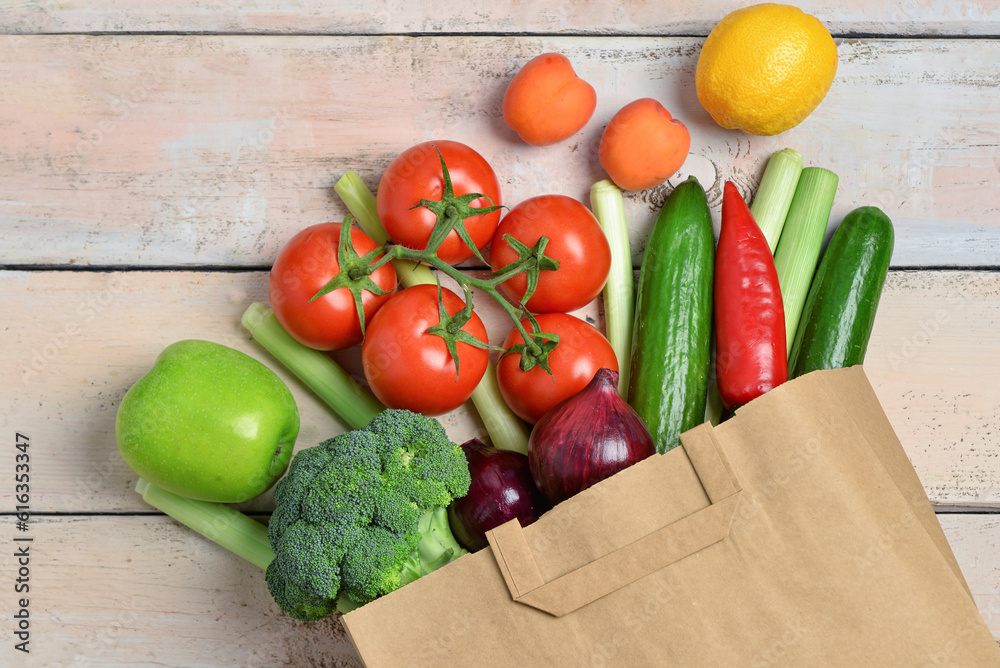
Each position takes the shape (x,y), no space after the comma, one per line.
(361,203)
(353,403)
(218,522)
(487,285)
(413,267)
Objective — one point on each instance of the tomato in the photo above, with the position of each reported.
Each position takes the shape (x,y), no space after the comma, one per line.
(576,240)
(415,175)
(546,102)
(303,267)
(643,145)
(580,353)
(408,368)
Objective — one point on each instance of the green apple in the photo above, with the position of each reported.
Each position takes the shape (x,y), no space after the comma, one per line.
(208,422)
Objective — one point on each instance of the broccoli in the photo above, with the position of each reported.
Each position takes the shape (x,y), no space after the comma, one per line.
(363,514)
(356,517)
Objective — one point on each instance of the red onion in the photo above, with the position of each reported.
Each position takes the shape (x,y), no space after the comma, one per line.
(501,490)
(586,438)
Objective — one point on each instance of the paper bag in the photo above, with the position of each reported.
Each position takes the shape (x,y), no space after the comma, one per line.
(794,534)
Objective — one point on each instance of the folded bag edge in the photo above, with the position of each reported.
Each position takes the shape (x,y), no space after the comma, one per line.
(632,562)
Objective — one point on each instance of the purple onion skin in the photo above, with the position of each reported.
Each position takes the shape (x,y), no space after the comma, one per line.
(501,490)
(588,437)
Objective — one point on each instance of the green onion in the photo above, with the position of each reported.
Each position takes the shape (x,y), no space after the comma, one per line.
(507,431)
(619,292)
(354,404)
(774,195)
(802,240)
(222,524)
(361,203)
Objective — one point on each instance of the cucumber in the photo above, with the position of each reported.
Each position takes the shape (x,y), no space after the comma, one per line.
(673,321)
(840,308)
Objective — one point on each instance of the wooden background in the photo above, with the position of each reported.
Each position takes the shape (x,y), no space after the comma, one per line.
(154,157)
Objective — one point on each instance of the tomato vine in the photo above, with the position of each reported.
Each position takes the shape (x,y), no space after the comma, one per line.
(451,212)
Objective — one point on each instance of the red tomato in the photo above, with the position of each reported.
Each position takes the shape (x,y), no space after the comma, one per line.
(307,263)
(408,368)
(580,353)
(576,240)
(415,175)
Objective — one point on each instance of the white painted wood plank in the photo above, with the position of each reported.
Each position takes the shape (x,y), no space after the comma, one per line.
(211,150)
(975,540)
(645,17)
(935,365)
(90,335)
(145,591)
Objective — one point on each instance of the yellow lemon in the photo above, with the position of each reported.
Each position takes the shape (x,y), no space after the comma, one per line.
(764,68)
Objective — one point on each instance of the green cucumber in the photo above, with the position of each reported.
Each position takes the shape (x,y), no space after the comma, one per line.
(840,308)
(673,321)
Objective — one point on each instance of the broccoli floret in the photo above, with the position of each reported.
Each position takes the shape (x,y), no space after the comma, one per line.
(297,601)
(363,513)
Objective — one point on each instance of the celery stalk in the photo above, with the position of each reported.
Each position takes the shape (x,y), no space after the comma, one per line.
(774,195)
(361,203)
(223,525)
(354,404)
(218,522)
(619,292)
(507,431)
(801,241)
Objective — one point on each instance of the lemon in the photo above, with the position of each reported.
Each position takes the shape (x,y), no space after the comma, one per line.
(764,68)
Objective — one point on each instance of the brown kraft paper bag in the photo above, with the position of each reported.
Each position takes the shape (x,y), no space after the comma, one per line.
(794,534)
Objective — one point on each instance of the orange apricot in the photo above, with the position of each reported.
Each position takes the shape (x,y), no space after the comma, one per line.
(546,102)
(643,145)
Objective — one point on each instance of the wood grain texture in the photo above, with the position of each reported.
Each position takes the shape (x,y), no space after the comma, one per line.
(975,540)
(145,591)
(91,335)
(642,17)
(211,150)
(931,359)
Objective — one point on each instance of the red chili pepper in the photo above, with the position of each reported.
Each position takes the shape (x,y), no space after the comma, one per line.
(750,344)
